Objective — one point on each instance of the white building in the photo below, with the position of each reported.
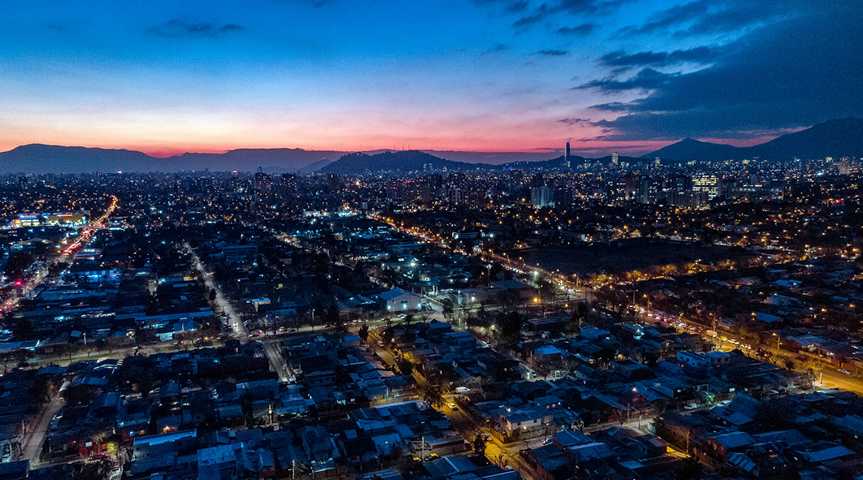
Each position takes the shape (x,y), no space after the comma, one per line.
(399,300)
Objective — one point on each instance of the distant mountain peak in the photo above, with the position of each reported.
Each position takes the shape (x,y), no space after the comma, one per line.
(841,136)
(837,137)
(42,158)
(692,149)
(395,161)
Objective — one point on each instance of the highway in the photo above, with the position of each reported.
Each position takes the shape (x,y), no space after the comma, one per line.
(116,353)
(64,258)
(32,442)
(724,340)
(829,377)
(502,454)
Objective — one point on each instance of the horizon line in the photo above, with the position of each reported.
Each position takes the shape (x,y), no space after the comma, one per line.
(167,153)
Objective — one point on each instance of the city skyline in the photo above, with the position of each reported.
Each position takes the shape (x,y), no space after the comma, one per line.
(431,240)
(478,76)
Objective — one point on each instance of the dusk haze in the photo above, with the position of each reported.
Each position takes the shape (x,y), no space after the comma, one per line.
(482,75)
(431,240)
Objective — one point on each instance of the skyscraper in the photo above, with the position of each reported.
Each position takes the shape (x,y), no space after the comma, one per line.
(263,182)
(707,185)
(566,156)
(542,197)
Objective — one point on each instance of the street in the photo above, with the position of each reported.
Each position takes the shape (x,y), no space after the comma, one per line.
(31,445)
(235,321)
(65,257)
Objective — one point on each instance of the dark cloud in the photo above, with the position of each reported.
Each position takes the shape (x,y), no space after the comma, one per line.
(672,16)
(572,7)
(57,27)
(577,30)
(588,6)
(646,79)
(621,59)
(537,16)
(496,48)
(551,52)
(515,7)
(176,28)
(701,17)
(794,72)
(573,121)
(509,6)
(611,107)
(734,17)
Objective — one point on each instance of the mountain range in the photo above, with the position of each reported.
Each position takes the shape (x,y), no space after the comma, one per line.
(831,138)
(38,158)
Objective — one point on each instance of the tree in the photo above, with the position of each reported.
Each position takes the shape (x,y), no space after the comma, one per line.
(689,469)
(510,324)
(509,297)
(406,367)
(774,414)
(364,333)
(579,313)
(433,395)
(95,470)
(447,307)
(479,444)
(17,263)
(333,317)
(22,329)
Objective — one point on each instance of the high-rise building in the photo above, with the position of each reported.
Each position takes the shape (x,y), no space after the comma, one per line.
(677,190)
(263,182)
(706,184)
(542,196)
(648,190)
(615,159)
(456,196)
(566,154)
(626,187)
(844,166)
(287,183)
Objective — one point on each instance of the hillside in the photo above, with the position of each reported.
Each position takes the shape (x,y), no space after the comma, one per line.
(403,161)
(830,138)
(37,158)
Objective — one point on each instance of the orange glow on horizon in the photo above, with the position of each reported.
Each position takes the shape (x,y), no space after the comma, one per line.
(167,150)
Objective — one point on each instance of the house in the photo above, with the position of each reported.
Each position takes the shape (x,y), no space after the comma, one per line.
(524,423)
(399,300)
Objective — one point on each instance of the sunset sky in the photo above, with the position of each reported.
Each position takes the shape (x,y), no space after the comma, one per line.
(471,75)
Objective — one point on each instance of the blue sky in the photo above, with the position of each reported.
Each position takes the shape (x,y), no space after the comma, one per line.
(483,75)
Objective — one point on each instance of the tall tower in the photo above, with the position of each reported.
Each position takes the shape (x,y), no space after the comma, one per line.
(566,155)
